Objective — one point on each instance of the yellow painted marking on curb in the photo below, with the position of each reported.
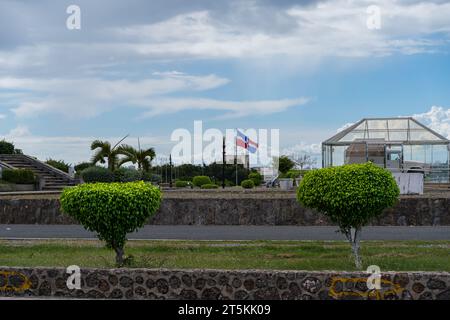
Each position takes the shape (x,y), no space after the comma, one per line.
(26,284)
(377,294)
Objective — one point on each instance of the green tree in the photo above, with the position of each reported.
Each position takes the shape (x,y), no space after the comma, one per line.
(112,209)
(350,195)
(143,158)
(285,164)
(81,166)
(103,150)
(6,147)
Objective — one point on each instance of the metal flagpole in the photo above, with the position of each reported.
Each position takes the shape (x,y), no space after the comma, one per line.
(223,163)
(235,157)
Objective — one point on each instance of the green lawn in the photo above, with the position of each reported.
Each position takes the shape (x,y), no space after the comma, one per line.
(281,255)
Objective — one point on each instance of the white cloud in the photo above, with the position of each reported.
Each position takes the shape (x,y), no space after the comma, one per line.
(18,132)
(303,148)
(2,116)
(73,149)
(437,118)
(335,28)
(247,30)
(232,108)
(92,96)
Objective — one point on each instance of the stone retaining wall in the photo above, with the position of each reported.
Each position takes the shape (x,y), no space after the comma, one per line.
(221,284)
(238,208)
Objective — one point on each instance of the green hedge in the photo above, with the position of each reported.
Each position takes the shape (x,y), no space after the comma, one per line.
(19,176)
(97,174)
(247,184)
(256,177)
(112,209)
(181,184)
(151,177)
(198,181)
(127,175)
(209,186)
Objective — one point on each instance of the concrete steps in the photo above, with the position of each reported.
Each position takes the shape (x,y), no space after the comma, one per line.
(53,178)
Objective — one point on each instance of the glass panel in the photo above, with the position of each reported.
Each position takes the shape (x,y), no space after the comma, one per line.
(376,124)
(351,136)
(439,164)
(414,125)
(338,155)
(422,135)
(398,135)
(378,135)
(398,124)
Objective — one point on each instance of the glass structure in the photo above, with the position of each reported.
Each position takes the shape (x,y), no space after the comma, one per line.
(402,144)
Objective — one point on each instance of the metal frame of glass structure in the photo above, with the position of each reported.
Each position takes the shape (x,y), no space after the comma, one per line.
(417,143)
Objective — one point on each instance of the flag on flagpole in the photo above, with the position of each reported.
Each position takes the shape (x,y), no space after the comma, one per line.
(245,142)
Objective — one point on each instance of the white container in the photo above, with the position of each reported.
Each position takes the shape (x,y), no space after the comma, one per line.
(286,184)
(409,183)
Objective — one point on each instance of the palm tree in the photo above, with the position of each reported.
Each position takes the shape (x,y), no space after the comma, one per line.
(105,151)
(143,158)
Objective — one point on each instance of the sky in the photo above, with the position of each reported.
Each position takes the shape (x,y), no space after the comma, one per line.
(146,68)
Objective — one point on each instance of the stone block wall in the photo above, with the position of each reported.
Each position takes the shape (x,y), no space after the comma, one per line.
(221,284)
(243,208)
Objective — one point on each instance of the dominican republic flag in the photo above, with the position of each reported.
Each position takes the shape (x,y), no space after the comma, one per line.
(245,142)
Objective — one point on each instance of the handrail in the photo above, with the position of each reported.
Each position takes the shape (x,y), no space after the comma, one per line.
(47,166)
(43,165)
(5,165)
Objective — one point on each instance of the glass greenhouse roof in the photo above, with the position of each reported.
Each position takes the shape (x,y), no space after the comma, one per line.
(398,130)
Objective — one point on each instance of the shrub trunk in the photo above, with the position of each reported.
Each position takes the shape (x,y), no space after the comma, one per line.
(353,235)
(119,256)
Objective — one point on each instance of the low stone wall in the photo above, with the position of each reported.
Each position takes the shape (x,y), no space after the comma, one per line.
(232,208)
(221,284)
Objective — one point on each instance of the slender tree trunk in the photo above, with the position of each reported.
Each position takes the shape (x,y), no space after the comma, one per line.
(119,256)
(354,239)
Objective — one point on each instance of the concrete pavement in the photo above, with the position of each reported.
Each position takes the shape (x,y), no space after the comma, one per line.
(215,232)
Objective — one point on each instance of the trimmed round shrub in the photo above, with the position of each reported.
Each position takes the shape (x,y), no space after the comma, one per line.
(247,184)
(350,195)
(256,177)
(127,175)
(19,176)
(209,186)
(198,181)
(181,184)
(112,209)
(97,174)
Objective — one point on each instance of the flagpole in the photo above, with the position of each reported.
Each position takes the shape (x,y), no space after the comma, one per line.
(223,163)
(235,156)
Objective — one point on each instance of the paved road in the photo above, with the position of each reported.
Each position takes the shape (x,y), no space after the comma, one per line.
(15,231)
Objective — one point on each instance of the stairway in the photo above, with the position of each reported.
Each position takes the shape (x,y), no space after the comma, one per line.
(53,178)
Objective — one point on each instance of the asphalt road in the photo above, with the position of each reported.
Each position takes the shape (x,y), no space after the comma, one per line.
(15,231)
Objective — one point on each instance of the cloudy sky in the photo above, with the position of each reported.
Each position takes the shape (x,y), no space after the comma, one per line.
(145,68)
